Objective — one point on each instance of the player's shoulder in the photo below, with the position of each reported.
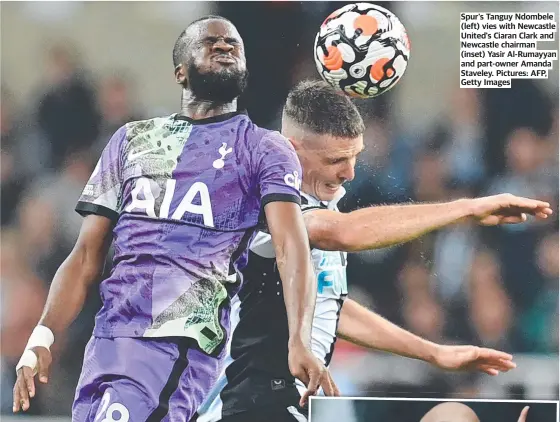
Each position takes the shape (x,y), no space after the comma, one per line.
(135,127)
(268,139)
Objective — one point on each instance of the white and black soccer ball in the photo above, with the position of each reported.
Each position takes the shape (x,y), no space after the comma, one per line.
(362,49)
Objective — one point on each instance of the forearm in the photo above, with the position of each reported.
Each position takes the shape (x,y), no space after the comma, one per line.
(68,291)
(293,257)
(368,329)
(299,288)
(382,226)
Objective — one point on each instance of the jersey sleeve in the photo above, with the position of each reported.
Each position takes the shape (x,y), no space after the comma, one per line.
(278,169)
(102,193)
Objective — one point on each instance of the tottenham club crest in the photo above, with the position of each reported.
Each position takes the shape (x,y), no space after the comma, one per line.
(223,151)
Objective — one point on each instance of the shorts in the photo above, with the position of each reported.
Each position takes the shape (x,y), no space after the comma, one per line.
(276,413)
(143,379)
(255,396)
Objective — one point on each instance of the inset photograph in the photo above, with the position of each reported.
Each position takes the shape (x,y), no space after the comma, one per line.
(422,410)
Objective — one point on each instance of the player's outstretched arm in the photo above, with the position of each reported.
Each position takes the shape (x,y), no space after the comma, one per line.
(382,226)
(66,297)
(368,329)
(293,258)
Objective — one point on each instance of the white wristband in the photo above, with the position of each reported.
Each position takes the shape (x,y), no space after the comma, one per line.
(29,359)
(40,337)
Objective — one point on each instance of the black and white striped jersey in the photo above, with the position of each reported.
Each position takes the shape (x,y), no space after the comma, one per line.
(256,372)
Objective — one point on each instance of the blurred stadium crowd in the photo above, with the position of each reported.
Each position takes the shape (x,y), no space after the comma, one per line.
(497,287)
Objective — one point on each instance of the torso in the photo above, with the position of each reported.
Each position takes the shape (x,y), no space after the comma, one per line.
(189,203)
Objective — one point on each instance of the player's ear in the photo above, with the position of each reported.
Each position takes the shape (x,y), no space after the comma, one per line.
(294,143)
(180,74)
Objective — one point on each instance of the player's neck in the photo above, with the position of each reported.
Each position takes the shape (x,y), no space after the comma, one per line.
(196,108)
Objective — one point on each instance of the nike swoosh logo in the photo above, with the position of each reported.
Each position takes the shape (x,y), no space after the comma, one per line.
(135,155)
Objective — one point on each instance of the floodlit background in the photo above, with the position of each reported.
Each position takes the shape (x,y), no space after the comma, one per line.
(73,72)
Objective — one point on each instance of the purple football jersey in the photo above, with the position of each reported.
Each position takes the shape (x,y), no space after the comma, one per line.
(186,196)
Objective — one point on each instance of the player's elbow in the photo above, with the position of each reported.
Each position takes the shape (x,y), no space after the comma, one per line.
(291,249)
(87,259)
(85,263)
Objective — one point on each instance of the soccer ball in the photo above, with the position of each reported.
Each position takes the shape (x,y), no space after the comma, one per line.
(362,49)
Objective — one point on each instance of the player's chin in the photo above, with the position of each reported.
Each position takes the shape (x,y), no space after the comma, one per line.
(223,68)
(329,191)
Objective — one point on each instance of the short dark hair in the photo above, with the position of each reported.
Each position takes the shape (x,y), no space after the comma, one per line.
(316,106)
(182,43)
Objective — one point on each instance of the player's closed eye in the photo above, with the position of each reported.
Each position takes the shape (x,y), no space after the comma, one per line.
(337,160)
(210,41)
(232,41)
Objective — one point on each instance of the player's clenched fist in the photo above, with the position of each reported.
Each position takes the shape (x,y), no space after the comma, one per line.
(507,209)
(309,370)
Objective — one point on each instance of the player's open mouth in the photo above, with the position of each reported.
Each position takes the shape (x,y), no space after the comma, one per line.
(332,186)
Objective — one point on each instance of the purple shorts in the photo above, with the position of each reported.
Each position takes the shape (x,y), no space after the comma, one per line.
(143,379)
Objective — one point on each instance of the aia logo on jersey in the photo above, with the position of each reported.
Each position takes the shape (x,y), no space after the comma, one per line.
(293,180)
(145,192)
